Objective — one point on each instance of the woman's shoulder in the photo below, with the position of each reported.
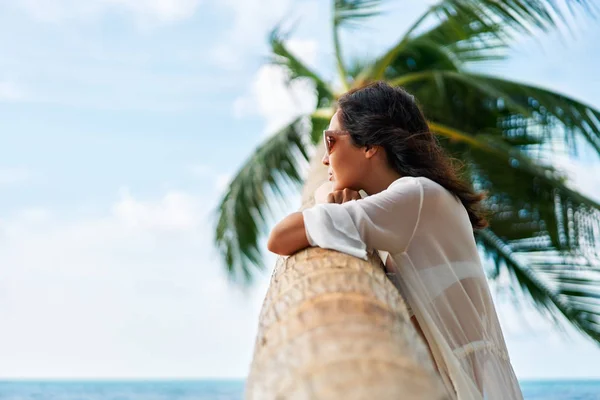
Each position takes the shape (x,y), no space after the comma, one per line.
(416,183)
(405,182)
(427,190)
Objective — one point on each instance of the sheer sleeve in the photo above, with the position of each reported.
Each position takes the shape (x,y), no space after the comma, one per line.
(385,221)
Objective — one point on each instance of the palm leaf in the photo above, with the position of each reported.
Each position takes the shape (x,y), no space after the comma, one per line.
(473,30)
(527,199)
(544,108)
(499,153)
(517,16)
(561,284)
(466,39)
(242,215)
(296,69)
(456,38)
(350,13)
(524,115)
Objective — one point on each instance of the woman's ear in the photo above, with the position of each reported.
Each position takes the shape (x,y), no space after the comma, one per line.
(370,151)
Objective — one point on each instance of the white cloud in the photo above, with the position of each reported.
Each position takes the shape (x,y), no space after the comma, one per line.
(146,13)
(272,97)
(135,291)
(175,212)
(10,175)
(10,91)
(252,20)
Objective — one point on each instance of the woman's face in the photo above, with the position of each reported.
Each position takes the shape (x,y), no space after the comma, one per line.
(346,162)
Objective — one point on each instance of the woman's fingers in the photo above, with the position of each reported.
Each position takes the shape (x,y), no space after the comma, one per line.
(342,196)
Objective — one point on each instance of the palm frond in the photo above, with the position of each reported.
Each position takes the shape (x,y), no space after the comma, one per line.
(264,179)
(560,283)
(527,199)
(454,40)
(467,39)
(524,115)
(350,13)
(499,152)
(473,30)
(516,16)
(409,57)
(296,68)
(543,108)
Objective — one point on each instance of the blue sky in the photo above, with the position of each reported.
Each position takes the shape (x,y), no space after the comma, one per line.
(121,122)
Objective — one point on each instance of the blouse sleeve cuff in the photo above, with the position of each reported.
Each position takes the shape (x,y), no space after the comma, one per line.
(329,226)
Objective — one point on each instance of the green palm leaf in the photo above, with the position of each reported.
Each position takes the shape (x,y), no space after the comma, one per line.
(518,16)
(466,39)
(473,30)
(272,171)
(351,13)
(296,69)
(524,115)
(560,283)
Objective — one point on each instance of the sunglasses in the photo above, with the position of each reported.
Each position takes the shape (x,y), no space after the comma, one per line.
(328,136)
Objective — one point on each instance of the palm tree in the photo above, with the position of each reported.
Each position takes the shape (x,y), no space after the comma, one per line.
(332,326)
(542,231)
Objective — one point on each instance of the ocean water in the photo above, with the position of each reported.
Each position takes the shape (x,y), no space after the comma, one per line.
(561,390)
(228,390)
(121,390)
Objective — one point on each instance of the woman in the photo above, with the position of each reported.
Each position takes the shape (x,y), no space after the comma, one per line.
(417,211)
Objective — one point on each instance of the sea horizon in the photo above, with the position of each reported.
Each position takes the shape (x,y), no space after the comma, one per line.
(220,379)
(229,388)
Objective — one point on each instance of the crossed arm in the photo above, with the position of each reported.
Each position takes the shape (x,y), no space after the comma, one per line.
(289,235)
(385,221)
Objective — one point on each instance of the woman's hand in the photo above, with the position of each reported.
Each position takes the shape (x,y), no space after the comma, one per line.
(326,194)
(342,196)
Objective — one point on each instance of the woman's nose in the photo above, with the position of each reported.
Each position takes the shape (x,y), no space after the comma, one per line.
(325,159)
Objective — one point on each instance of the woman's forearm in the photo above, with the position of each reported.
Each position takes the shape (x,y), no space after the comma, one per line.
(288,236)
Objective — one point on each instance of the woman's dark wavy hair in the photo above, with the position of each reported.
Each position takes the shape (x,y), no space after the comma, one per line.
(387,116)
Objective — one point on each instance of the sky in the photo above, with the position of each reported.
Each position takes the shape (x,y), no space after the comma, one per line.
(121,123)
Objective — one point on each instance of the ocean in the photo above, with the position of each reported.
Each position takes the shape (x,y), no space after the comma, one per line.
(229,390)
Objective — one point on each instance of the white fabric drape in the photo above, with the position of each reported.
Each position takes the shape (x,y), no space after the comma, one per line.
(427,233)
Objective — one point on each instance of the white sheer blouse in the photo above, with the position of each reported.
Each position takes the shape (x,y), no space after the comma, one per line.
(426,231)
